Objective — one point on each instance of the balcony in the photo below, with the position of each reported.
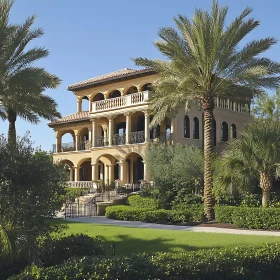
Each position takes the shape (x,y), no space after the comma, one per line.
(122,101)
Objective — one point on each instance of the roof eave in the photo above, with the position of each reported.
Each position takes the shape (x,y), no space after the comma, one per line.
(113,79)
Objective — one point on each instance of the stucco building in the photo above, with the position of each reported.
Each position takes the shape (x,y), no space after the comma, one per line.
(111,135)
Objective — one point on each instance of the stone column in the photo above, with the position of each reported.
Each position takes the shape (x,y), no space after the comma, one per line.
(147,129)
(146,177)
(106,174)
(121,175)
(110,128)
(79,104)
(110,171)
(76,178)
(58,143)
(172,129)
(127,128)
(71,174)
(93,132)
(76,141)
(94,167)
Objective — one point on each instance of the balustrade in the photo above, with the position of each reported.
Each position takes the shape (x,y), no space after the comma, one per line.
(137,137)
(64,147)
(122,101)
(80,184)
(101,141)
(228,104)
(84,145)
(118,139)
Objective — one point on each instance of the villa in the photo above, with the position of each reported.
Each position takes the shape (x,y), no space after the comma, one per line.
(112,135)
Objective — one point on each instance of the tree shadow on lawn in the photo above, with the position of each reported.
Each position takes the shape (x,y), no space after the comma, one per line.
(127,244)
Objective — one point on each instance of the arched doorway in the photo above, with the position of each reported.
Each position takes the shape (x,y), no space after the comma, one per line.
(114,94)
(224,132)
(68,166)
(134,168)
(85,171)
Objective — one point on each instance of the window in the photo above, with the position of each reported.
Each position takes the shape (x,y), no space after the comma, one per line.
(224,132)
(187,127)
(195,128)
(233,132)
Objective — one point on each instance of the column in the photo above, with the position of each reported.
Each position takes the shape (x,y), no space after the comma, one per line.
(121,170)
(127,128)
(76,178)
(93,132)
(110,171)
(172,128)
(147,128)
(101,171)
(94,167)
(71,174)
(145,171)
(106,174)
(76,141)
(79,104)
(110,128)
(57,144)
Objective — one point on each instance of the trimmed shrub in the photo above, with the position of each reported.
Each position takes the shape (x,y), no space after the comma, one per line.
(72,193)
(249,217)
(249,262)
(55,251)
(139,201)
(127,213)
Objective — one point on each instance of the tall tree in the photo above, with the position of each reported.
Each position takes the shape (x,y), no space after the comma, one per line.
(205,62)
(255,153)
(21,83)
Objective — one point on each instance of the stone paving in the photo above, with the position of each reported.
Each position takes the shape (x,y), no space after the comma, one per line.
(106,221)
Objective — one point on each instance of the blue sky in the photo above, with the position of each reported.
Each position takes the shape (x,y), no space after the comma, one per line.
(87,38)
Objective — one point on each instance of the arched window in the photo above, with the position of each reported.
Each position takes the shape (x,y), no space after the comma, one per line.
(214,132)
(224,132)
(187,127)
(132,90)
(233,132)
(195,128)
(146,87)
(99,96)
(114,94)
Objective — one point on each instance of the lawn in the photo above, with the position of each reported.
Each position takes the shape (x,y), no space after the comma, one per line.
(135,240)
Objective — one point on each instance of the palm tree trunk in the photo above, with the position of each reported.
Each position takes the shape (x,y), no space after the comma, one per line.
(12,117)
(208,107)
(266,185)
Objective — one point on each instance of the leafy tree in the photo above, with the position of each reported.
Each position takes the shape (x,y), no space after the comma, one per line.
(255,153)
(205,61)
(175,170)
(21,83)
(267,107)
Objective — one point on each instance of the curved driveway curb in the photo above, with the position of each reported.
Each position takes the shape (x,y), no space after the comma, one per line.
(106,221)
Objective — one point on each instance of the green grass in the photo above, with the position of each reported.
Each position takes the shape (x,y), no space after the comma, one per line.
(135,240)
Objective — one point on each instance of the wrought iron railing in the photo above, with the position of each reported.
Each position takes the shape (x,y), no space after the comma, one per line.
(101,141)
(118,139)
(84,145)
(137,137)
(64,147)
(80,184)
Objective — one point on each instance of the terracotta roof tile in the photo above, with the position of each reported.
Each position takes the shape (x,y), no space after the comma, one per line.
(123,73)
(80,116)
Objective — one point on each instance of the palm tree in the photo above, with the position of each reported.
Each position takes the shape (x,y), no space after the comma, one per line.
(255,152)
(205,62)
(21,83)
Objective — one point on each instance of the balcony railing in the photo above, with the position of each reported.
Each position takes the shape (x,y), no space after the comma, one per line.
(137,137)
(80,184)
(84,145)
(118,139)
(162,138)
(228,104)
(64,147)
(122,101)
(101,141)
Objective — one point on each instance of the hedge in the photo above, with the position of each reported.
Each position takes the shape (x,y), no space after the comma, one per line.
(249,217)
(249,262)
(127,213)
(139,201)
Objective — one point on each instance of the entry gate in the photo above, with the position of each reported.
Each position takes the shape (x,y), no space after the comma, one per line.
(76,209)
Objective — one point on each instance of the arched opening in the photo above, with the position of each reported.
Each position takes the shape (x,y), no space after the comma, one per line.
(99,96)
(154,131)
(137,134)
(224,132)
(85,171)
(132,90)
(147,86)
(68,166)
(233,132)
(134,168)
(83,137)
(214,132)
(195,128)
(85,103)
(67,141)
(107,170)
(186,127)
(114,94)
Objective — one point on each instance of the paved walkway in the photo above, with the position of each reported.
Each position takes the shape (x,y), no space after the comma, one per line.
(106,221)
